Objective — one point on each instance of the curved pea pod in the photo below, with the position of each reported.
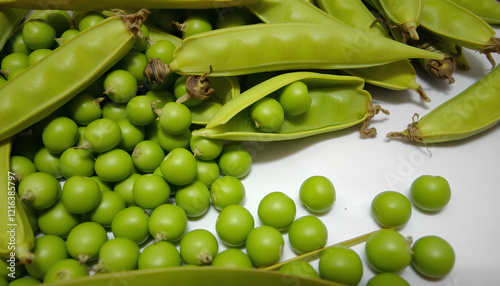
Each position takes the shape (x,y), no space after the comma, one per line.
(9,20)
(156,34)
(338,102)
(404,13)
(122,4)
(472,111)
(399,75)
(488,10)
(285,46)
(50,83)
(195,276)
(225,89)
(460,26)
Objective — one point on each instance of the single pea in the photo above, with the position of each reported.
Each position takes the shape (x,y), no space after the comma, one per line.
(118,254)
(162,50)
(226,191)
(14,61)
(114,111)
(235,161)
(233,225)
(60,20)
(300,268)
(66,36)
(198,247)
(317,194)
(110,204)
(264,245)
(193,198)
(39,190)
(57,220)
(21,166)
(179,167)
(131,134)
(340,264)
(432,256)
(161,254)
(103,186)
(120,86)
(140,111)
(84,108)
(74,162)
(206,148)
(47,162)
(175,118)
(391,209)
(65,269)
(430,193)
(147,156)
(114,165)
(307,233)
(150,191)
(102,135)
(232,257)
(168,222)
(295,98)
(387,278)
(170,142)
(15,72)
(17,45)
(38,35)
(194,24)
(48,250)
(80,194)
(131,223)
(134,62)
(207,171)
(85,240)
(277,209)
(90,19)
(267,114)
(38,55)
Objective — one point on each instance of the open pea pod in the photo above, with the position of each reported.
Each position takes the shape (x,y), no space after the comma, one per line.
(9,19)
(225,89)
(156,34)
(338,102)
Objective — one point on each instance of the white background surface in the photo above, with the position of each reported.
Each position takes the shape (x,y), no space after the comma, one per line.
(361,168)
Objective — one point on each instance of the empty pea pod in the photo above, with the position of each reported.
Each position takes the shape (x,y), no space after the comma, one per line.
(65,72)
(398,75)
(128,4)
(460,26)
(472,111)
(338,102)
(488,10)
(239,50)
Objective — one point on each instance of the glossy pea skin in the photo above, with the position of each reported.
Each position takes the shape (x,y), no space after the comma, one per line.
(85,240)
(37,55)
(179,167)
(391,209)
(198,247)
(64,270)
(307,233)
(131,223)
(294,98)
(110,204)
(21,166)
(168,222)
(430,193)
(160,254)
(139,110)
(114,165)
(277,209)
(125,188)
(48,250)
(300,268)
(175,118)
(206,148)
(195,24)
(25,281)
(17,45)
(80,194)
(14,61)
(114,111)
(170,142)
(131,134)
(233,225)
(84,108)
(134,62)
(120,86)
(232,257)
(340,264)
(264,245)
(60,134)
(66,36)
(235,161)
(387,251)
(317,194)
(39,190)
(76,162)
(57,220)
(47,162)
(150,191)
(267,114)
(226,191)
(38,35)
(141,44)
(433,256)
(193,198)
(147,156)
(119,254)
(102,135)
(90,19)
(387,278)
(207,172)
(162,50)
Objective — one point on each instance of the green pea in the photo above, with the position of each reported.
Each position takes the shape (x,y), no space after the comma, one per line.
(21,166)
(175,118)
(193,198)
(140,111)
(114,165)
(84,108)
(160,97)
(235,161)
(163,50)
(47,162)
(267,114)
(125,188)
(66,36)
(14,61)
(170,142)
(150,191)
(147,156)
(102,135)
(110,204)
(207,171)
(90,19)
(120,86)
(206,148)
(295,98)
(38,35)
(75,162)
(131,134)
(134,63)
(194,24)
(37,55)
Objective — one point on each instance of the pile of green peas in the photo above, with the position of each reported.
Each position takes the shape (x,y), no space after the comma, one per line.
(131,169)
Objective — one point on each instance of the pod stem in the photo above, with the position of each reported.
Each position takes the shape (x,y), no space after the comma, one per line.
(371,132)
(493,46)
(315,254)
(156,71)
(442,69)
(198,87)
(412,132)
(133,22)
(411,29)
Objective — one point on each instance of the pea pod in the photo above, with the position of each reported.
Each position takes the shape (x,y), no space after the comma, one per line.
(488,10)
(65,72)
(472,111)
(338,102)
(130,4)
(398,75)
(14,221)
(460,26)
(156,34)
(9,20)
(232,51)
(225,89)
(403,13)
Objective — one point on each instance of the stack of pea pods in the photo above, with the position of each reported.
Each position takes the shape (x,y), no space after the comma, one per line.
(222,63)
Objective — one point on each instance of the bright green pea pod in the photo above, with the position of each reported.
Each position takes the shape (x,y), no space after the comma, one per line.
(9,19)
(488,10)
(285,46)
(472,111)
(460,26)
(156,34)
(225,89)
(50,83)
(122,4)
(404,13)
(399,75)
(338,102)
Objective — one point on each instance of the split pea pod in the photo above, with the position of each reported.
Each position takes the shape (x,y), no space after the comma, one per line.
(488,10)
(50,83)
(460,26)
(338,102)
(285,46)
(472,111)
(9,20)
(16,235)
(403,13)
(400,75)
(75,5)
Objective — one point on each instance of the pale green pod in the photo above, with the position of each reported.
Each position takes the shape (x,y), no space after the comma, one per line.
(286,46)
(9,19)
(404,13)
(338,102)
(470,112)
(488,10)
